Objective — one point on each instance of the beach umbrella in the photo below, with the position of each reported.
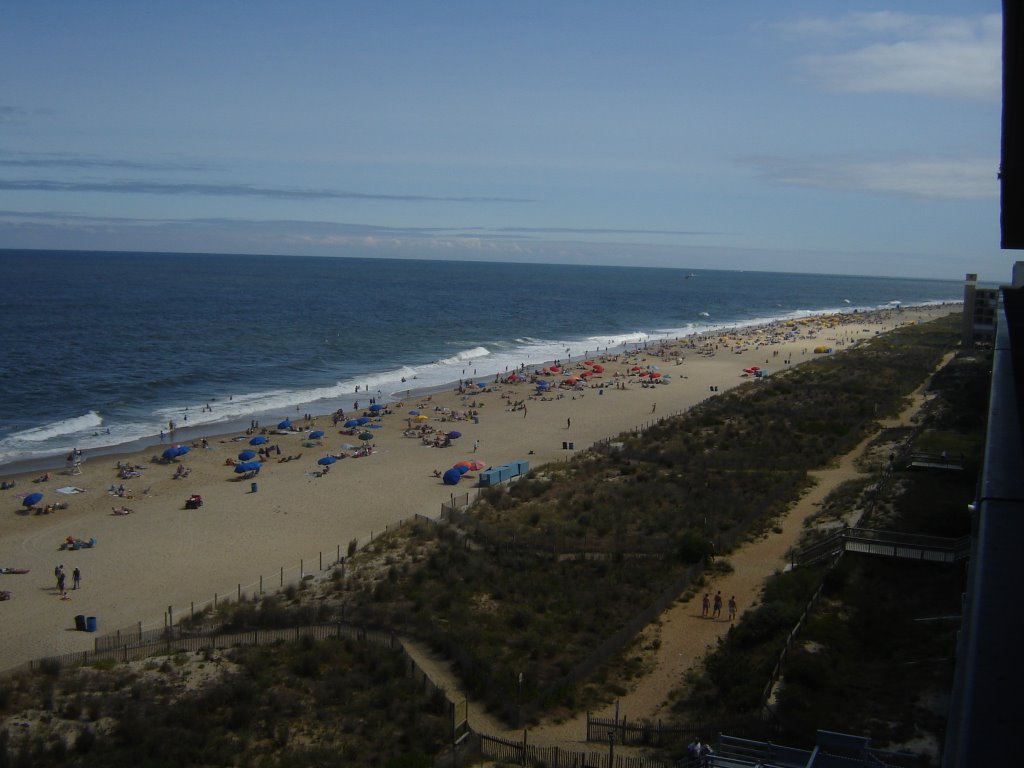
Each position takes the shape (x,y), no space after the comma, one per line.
(451,477)
(421,417)
(414,412)
(458,464)
(482,385)
(246,455)
(324,461)
(316,434)
(454,435)
(183,449)
(286,424)
(461,469)
(366,436)
(247,466)
(351,423)
(598,369)
(476,465)
(376,407)
(32,499)
(258,440)
(362,420)
(170,453)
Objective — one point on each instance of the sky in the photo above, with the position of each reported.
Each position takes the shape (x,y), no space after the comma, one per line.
(829,137)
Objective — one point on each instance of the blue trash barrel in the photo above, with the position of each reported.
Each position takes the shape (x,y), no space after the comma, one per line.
(90,624)
(80,622)
(254,488)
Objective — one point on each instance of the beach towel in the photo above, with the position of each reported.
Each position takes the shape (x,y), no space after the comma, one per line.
(69,489)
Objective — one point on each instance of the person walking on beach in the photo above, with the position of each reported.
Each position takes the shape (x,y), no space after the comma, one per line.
(476,444)
(76,578)
(705,605)
(732,608)
(718,606)
(60,581)
(568,423)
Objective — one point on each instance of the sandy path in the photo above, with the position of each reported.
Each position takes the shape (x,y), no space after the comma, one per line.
(685,635)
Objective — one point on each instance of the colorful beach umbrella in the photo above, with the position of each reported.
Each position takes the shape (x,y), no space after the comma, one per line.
(325,460)
(258,440)
(246,455)
(476,465)
(32,499)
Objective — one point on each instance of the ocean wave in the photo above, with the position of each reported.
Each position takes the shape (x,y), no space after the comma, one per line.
(466,355)
(90,420)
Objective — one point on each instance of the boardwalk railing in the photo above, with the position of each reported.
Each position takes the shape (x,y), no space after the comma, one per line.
(906,546)
(522,753)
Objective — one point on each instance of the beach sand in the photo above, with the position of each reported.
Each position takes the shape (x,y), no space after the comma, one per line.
(163,556)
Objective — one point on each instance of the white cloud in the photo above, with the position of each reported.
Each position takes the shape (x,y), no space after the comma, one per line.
(922,178)
(888,52)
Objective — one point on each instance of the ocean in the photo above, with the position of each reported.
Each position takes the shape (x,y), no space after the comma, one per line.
(101,350)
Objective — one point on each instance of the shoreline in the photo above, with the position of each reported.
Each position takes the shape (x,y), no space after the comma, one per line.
(164,555)
(216,430)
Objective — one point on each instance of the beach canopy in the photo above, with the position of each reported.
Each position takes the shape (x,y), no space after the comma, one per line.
(376,407)
(451,477)
(258,440)
(316,434)
(246,455)
(32,499)
(286,424)
(175,451)
(325,460)
(247,466)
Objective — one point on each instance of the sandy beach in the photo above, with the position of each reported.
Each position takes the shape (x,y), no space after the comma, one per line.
(162,555)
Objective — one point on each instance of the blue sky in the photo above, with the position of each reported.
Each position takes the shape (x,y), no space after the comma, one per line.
(839,137)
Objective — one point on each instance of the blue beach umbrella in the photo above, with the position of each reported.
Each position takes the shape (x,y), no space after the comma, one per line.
(454,435)
(183,449)
(414,412)
(351,423)
(32,499)
(247,466)
(246,455)
(451,477)
(461,469)
(316,434)
(258,440)
(175,451)
(375,426)
(362,420)
(286,424)
(376,407)
(324,461)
